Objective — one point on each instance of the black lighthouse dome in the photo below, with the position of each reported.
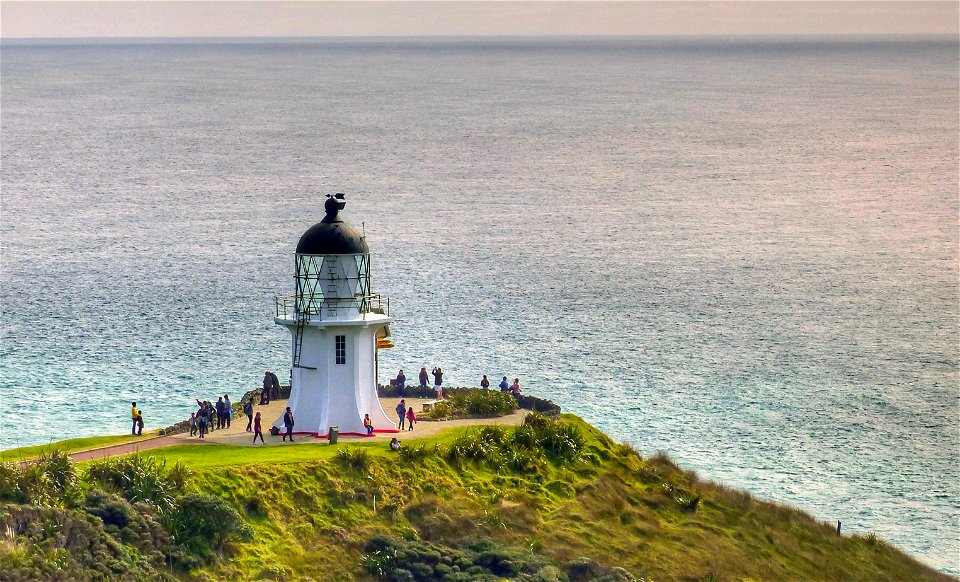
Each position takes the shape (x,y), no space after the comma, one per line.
(332,236)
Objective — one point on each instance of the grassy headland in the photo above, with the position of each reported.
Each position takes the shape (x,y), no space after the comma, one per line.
(554,499)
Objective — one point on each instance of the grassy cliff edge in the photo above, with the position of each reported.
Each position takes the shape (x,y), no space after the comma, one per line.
(550,500)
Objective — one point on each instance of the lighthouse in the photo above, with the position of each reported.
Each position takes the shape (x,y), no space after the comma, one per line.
(336,325)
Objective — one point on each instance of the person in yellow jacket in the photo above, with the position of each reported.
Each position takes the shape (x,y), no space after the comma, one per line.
(135,415)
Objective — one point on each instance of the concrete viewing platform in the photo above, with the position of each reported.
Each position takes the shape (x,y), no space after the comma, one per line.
(237,435)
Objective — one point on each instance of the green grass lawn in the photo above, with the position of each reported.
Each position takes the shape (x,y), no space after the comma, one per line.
(223,455)
(67,446)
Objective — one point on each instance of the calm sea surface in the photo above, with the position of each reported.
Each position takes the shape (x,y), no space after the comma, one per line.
(744,253)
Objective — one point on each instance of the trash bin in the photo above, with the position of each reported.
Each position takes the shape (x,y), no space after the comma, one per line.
(332,434)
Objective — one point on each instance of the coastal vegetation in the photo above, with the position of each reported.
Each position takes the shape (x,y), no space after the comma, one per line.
(472,403)
(552,499)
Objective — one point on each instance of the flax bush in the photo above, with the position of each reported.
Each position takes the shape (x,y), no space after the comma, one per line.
(139,478)
(473,403)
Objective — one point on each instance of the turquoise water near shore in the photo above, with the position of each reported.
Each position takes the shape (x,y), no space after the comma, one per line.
(742,252)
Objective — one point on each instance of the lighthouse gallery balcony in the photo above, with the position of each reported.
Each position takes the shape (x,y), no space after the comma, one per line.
(331,308)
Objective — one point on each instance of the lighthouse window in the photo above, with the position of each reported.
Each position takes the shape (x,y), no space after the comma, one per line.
(341,349)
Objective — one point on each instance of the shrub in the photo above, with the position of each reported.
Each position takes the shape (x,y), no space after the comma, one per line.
(50,480)
(59,470)
(416,453)
(389,558)
(475,447)
(112,509)
(522,461)
(135,524)
(480,403)
(560,440)
(357,459)
(207,522)
(519,449)
(139,478)
(68,544)
(10,483)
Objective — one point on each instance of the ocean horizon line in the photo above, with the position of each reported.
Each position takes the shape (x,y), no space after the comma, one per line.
(707,39)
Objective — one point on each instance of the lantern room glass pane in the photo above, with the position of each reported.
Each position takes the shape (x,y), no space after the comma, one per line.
(332,281)
(309,294)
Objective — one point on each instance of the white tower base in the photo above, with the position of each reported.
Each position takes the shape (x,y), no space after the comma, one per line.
(335,384)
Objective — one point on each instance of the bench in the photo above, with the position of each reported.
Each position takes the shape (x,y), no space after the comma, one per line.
(428,405)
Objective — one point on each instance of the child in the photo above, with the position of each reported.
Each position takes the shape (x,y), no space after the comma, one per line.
(193,423)
(257,431)
(394,444)
(411,418)
(140,422)
(368,424)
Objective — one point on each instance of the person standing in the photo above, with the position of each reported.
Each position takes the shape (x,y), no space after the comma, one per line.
(504,385)
(401,382)
(411,418)
(139,422)
(257,429)
(221,413)
(134,413)
(438,382)
(288,423)
(274,385)
(227,404)
(423,377)
(211,416)
(484,383)
(267,385)
(402,413)
(202,420)
(248,410)
(193,423)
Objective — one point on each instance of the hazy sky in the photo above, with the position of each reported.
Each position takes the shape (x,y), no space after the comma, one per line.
(26,19)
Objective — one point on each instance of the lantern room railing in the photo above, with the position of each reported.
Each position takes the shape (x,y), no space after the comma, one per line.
(286,307)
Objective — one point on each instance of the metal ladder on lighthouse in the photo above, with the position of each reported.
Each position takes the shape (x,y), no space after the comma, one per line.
(298,337)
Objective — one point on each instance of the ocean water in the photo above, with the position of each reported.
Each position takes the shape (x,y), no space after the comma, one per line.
(741,252)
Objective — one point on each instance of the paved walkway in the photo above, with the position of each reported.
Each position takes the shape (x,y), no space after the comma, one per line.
(237,435)
(147,443)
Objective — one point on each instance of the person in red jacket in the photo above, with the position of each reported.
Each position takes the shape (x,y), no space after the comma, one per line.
(257,429)
(411,418)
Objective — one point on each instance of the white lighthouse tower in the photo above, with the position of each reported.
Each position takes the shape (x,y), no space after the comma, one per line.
(335,322)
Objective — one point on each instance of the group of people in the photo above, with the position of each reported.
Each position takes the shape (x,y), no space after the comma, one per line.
(209,416)
(401,381)
(220,414)
(504,385)
(271,388)
(137,415)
